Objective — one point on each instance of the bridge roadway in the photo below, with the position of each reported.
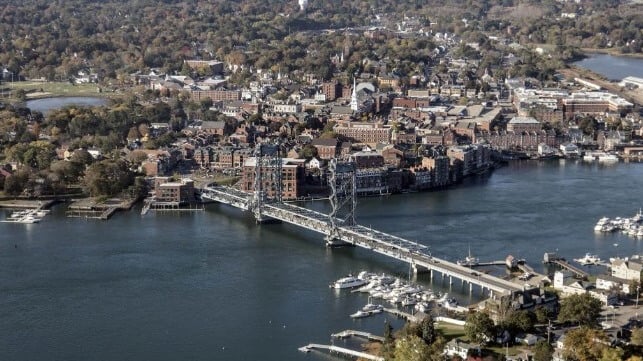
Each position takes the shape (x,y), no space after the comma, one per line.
(389,245)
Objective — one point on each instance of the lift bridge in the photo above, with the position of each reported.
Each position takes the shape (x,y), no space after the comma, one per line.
(339,226)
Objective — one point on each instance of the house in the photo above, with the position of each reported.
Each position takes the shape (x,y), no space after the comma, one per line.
(314,163)
(627,269)
(564,282)
(606,282)
(457,347)
(326,148)
(527,339)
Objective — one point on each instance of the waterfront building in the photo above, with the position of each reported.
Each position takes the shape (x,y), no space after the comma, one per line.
(292,174)
(627,269)
(173,193)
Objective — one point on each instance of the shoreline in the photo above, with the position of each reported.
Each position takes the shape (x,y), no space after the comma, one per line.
(588,51)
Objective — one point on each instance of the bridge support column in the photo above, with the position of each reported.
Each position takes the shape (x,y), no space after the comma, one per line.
(450,280)
(470,287)
(417,269)
(431,272)
(333,242)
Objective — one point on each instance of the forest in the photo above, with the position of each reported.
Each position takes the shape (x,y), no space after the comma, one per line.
(113,38)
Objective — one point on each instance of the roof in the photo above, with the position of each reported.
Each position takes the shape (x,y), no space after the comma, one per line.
(328,142)
(523,120)
(213,124)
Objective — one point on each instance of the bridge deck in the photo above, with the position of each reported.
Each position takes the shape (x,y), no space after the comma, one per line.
(383,243)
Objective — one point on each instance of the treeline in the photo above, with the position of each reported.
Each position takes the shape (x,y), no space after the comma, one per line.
(56,39)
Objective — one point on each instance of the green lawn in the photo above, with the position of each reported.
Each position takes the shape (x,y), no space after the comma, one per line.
(36,90)
(450,331)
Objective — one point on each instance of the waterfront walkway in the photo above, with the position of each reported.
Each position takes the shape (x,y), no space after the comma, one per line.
(417,255)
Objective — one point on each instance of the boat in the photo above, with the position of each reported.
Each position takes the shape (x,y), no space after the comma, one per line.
(348,282)
(29,220)
(469,260)
(588,259)
(422,306)
(372,307)
(606,157)
(601,224)
(360,314)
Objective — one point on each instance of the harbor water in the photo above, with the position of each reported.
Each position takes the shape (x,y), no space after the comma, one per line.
(613,67)
(45,105)
(212,285)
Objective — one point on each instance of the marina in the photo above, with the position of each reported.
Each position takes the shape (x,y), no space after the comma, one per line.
(632,226)
(26,216)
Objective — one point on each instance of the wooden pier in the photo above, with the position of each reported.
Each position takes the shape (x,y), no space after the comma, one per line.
(350,333)
(561,262)
(341,351)
(405,315)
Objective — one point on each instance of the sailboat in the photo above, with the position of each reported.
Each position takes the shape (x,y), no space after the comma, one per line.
(469,260)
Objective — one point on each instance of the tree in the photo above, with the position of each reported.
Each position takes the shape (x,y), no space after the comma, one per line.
(612,354)
(411,348)
(107,178)
(543,351)
(581,309)
(516,321)
(478,327)
(584,344)
(637,337)
(388,346)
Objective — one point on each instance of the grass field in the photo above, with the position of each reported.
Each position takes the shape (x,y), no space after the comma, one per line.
(37,90)
(450,331)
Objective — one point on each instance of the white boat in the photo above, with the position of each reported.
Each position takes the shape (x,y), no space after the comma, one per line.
(372,307)
(409,301)
(469,260)
(608,158)
(588,259)
(29,219)
(348,282)
(360,314)
(601,224)
(422,307)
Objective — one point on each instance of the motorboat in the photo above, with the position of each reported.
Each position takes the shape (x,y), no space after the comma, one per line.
(588,259)
(371,307)
(360,314)
(422,307)
(348,282)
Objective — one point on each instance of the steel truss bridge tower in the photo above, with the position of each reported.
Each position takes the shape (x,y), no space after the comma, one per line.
(268,173)
(343,200)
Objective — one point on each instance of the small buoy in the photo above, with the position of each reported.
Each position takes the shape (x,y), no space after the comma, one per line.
(223,347)
(284,326)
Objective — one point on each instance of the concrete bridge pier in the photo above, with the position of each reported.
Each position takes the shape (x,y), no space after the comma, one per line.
(417,269)
(333,242)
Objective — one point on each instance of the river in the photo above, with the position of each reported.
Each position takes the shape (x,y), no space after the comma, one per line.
(212,285)
(45,105)
(613,67)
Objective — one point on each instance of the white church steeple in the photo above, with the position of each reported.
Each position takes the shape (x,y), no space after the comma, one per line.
(354,105)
